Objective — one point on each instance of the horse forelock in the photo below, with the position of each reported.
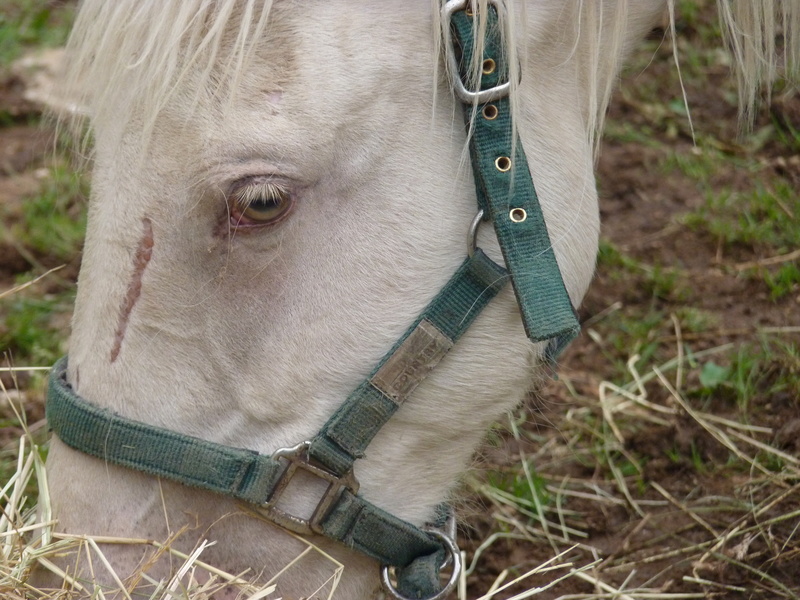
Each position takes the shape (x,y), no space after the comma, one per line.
(131,55)
(145,51)
(136,55)
(750,30)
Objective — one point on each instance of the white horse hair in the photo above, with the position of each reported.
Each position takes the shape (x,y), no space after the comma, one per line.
(252,337)
(147,49)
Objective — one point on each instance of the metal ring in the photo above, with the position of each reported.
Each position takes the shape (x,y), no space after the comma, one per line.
(449,530)
(503,164)
(454,554)
(490,112)
(517,215)
(472,233)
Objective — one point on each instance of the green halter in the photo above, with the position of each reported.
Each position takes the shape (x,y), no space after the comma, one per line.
(507,197)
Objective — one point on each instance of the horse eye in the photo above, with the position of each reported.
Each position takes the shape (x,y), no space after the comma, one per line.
(263,203)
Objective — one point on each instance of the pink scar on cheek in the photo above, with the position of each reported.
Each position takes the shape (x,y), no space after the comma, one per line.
(143,253)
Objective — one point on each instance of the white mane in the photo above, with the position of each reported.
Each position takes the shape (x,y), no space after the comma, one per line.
(750,29)
(145,50)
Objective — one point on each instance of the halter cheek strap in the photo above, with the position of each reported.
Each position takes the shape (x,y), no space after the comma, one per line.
(507,197)
(503,182)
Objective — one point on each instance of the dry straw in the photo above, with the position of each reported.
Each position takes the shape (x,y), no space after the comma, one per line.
(717,535)
(595,428)
(28,541)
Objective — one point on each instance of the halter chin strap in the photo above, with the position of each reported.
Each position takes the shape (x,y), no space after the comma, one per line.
(507,197)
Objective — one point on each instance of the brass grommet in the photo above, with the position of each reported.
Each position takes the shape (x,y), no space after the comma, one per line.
(518,215)
(489,66)
(490,112)
(503,164)
(469,11)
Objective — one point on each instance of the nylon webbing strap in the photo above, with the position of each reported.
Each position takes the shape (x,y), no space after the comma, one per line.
(242,474)
(371,530)
(506,193)
(352,427)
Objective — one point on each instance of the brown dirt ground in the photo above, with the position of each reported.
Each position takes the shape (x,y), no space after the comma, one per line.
(641,206)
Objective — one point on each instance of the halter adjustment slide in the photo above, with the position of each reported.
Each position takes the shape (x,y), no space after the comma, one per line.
(298,459)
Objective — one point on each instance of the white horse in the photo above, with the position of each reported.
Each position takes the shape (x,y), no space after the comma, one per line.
(278,190)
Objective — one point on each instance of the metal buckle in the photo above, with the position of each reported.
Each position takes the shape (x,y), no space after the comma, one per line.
(297,457)
(453,554)
(465,95)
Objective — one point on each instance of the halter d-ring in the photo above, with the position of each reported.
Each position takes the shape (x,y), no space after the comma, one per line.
(472,234)
(453,553)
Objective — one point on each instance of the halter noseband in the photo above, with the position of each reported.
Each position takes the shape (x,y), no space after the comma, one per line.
(507,197)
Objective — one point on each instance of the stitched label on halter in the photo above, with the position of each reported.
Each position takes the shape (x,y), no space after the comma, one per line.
(412,361)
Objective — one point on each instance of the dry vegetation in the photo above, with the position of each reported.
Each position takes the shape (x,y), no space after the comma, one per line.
(665,461)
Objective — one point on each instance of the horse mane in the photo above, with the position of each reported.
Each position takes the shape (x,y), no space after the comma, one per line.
(750,30)
(141,51)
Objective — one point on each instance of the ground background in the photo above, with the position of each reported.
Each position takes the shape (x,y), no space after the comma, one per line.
(686,485)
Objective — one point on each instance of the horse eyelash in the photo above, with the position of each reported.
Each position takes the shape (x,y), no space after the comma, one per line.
(261,191)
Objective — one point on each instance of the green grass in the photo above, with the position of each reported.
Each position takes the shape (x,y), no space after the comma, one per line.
(788,135)
(633,332)
(649,293)
(783,282)
(28,332)
(48,231)
(702,162)
(764,219)
(54,221)
(530,492)
(654,280)
(752,374)
(736,383)
(629,133)
(32,24)
(696,320)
